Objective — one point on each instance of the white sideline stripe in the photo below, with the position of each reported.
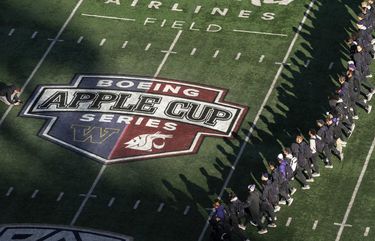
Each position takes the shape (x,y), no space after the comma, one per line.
(58,199)
(79,39)
(136,204)
(78,213)
(102,42)
(110,203)
(124,44)
(330,65)
(356,189)
(34,35)
(88,195)
(161,206)
(186,211)
(288,222)
(11,32)
(262,33)
(193,51)
(10,190)
(216,54)
(43,57)
(148,46)
(238,56)
(307,63)
(367,230)
(315,225)
(261,109)
(168,53)
(35,193)
(107,17)
(261,58)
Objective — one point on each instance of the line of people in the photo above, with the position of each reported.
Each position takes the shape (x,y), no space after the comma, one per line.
(301,160)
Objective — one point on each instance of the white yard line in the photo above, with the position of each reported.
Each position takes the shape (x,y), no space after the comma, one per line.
(216,53)
(34,35)
(242,149)
(261,33)
(124,44)
(330,65)
(107,17)
(193,51)
(41,61)
(169,51)
(89,193)
(355,192)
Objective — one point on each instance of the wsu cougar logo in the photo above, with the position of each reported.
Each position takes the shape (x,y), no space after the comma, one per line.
(146,142)
(124,118)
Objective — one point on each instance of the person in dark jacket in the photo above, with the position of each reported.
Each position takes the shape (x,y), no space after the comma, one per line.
(253,206)
(321,143)
(237,217)
(267,198)
(9,95)
(280,180)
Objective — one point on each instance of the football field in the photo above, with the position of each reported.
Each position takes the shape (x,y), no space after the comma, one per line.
(237,79)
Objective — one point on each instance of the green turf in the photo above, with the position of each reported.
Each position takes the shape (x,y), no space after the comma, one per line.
(30,162)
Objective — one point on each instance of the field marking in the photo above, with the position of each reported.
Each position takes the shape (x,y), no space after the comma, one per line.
(355,192)
(34,193)
(186,211)
(34,35)
(110,203)
(315,225)
(88,195)
(107,17)
(79,39)
(11,32)
(10,190)
(102,42)
(261,58)
(242,149)
(58,199)
(161,206)
(148,46)
(193,51)
(52,44)
(124,44)
(216,53)
(288,222)
(262,33)
(279,63)
(136,204)
(238,56)
(169,51)
(331,65)
(346,225)
(367,230)
(51,39)
(307,63)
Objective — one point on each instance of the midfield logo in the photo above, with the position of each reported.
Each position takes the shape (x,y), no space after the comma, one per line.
(33,232)
(124,118)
